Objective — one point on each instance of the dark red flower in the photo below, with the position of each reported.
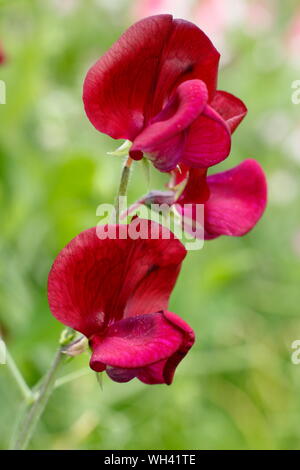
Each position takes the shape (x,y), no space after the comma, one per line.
(156,87)
(233,200)
(116,292)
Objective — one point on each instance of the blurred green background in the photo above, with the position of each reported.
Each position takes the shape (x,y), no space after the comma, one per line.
(237,388)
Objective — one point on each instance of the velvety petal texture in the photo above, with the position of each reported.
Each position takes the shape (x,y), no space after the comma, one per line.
(230,108)
(234,200)
(163,370)
(153,87)
(116,291)
(164,139)
(237,200)
(130,84)
(208,141)
(138,342)
(188,54)
(196,190)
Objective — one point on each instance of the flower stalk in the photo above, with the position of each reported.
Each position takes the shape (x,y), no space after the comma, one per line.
(36,402)
(122,191)
(16,374)
(33,413)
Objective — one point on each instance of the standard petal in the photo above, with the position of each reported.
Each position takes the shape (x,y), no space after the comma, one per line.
(164,139)
(208,141)
(132,82)
(118,87)
(237,200)
(146,346)
(230,108)
(95,281)
(188,54)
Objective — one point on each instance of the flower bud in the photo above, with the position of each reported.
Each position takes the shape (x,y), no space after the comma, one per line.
(159,197)
(76,347)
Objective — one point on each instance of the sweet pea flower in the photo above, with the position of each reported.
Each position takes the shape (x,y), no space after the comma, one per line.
(234,200)
(116,292)
(156,87)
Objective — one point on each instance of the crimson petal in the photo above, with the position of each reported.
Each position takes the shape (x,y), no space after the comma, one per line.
(231,108)
(196,190)
(118,86)
(208,141)
(163,140)
(95,281)
(131,83)
(237,200)
(189,54)
(147,346)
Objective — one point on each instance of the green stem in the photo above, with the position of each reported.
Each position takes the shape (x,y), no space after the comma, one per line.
(77,374)
(16,374)
(122,187)
(33,412)
(40,397)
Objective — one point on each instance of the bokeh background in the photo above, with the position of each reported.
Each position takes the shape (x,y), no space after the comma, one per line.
(237,389)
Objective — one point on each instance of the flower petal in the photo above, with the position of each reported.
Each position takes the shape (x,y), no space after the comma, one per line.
(208,141)
(146,346)
(189,54)
(196,190)
(163,371)
(230,108)
(118,87)
(163,140)
(131,83)
(237,200)
(95,281)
